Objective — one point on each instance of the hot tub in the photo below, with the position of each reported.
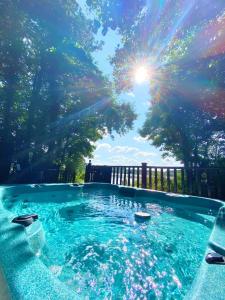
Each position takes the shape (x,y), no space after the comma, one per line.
(87,244)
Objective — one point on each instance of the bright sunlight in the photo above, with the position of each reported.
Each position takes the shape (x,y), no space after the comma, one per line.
(141,75)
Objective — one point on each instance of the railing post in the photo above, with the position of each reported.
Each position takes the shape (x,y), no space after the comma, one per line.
(175,180)
(87,177)
(144,175)
(182,181)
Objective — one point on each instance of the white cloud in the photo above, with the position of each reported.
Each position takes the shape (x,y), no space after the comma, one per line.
(115,149)
(170,161)
(124,160)
(144,154)
(124,149)
(103,146)
(108,154)
(121,155)
(140,139)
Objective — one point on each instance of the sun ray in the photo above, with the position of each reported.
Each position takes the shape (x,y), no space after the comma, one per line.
(141,75)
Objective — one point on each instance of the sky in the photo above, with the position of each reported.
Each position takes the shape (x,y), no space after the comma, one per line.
(130,149)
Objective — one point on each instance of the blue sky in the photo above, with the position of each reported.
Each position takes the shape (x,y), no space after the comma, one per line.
(129,149)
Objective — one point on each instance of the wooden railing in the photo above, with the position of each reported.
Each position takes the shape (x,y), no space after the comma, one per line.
(207,182)
(57,176)
(42,176)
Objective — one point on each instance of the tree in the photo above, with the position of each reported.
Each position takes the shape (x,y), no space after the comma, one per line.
(182,44)
(196,143)
(55,102)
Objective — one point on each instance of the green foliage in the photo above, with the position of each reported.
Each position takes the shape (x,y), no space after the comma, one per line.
(117,14)
(182,45)
(181,129)
(54,101)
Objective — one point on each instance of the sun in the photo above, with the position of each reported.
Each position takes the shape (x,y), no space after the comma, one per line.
(141,75)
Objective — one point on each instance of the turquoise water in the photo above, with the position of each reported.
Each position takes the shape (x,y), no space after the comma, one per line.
(94,245)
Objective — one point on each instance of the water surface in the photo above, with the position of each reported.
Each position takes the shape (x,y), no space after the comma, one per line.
(96,247)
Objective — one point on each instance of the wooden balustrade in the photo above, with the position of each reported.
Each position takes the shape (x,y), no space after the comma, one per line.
(42,176)
(207,182)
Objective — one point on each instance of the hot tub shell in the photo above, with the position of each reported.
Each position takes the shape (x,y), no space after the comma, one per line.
(24,276)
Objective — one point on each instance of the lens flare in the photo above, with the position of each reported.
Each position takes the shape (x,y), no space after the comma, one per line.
(141,75)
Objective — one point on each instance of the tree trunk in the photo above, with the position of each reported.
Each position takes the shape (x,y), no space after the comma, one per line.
(54,111)
(33,105)
(6,143)
(31,132)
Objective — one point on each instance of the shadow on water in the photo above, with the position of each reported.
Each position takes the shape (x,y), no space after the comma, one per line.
(83,211)
(80,211)
(114,210)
